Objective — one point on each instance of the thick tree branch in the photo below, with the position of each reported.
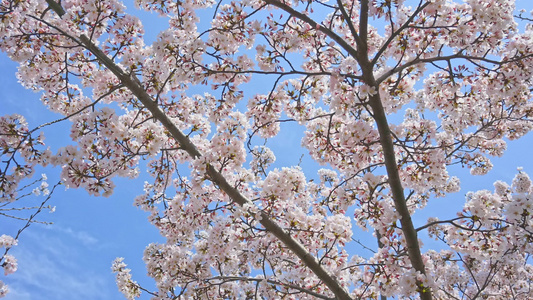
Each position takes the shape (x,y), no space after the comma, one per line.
(395,183)
(363,25)
(387,145)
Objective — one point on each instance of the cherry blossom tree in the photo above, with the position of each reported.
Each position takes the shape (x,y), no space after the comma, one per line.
(236,226)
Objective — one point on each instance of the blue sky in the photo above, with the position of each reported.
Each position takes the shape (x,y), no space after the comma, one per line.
(71,259)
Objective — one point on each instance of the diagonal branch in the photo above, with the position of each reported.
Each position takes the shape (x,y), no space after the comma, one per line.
(134,85)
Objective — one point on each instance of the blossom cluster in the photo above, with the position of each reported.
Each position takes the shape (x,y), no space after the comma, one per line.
(129,288)
(7,262)
(490,237)
(21,152)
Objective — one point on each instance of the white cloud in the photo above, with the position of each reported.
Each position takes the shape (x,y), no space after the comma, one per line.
(82,236)
(53,267)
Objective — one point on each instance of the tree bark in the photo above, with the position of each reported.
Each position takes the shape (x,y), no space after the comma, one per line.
(387,146)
